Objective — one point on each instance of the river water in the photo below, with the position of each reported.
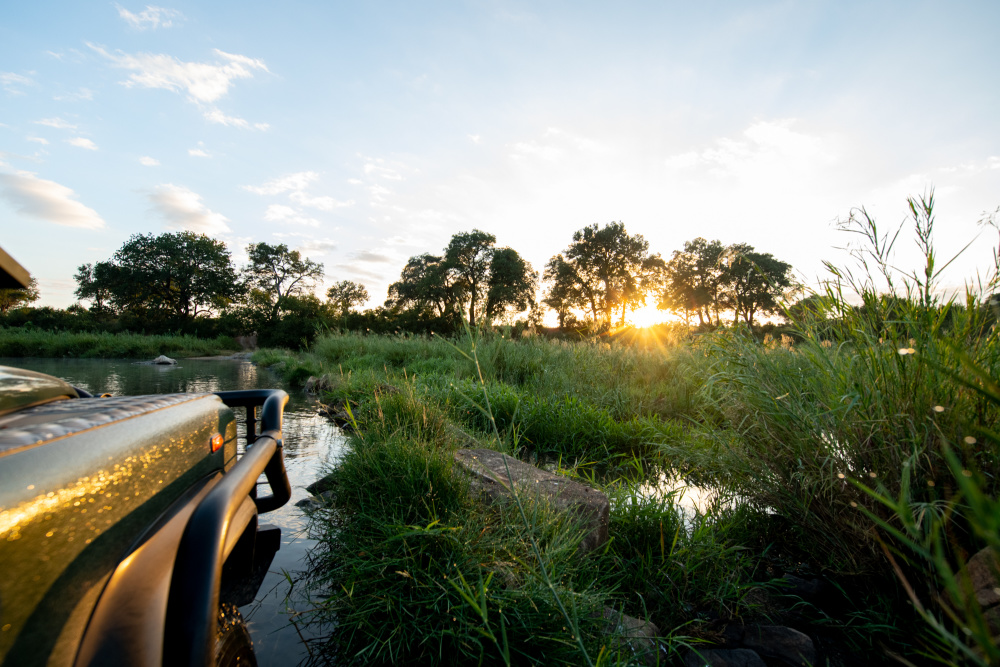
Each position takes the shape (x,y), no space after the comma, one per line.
(312,444)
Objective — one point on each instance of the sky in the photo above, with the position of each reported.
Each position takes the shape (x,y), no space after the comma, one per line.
(363,133)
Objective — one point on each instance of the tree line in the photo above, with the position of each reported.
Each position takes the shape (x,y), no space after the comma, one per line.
(187,281)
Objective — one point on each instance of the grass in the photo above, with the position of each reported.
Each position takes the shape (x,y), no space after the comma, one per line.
(865,455)
(26,342)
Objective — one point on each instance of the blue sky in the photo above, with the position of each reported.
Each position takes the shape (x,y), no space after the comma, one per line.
(366,132)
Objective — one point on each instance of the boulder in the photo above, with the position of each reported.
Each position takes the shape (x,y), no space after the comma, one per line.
(723,657)
(321,485)
(641,637)
(780,643)
(983,569)
(489,472)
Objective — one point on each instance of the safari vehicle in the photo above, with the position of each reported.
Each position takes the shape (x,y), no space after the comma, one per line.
(129,529)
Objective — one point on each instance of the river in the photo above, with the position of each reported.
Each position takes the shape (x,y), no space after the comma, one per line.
(312,443)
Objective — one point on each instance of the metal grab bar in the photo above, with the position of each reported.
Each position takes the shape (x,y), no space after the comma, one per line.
(194,585)
(272,405)
(190,627)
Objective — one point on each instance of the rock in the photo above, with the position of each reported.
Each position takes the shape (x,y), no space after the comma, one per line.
(982,569)
(807,589)
(641,637)
(723,657)
(164,360)
(489,474)
(321,485)
(308,504)
(785,644)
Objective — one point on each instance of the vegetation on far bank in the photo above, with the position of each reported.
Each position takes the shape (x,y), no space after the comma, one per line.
(33,342)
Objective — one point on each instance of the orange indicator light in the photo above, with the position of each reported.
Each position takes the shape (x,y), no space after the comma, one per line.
(216,442)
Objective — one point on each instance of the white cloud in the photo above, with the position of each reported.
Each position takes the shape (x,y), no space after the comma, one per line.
(57,123)
(11,82)
(38,140)
(321,203)
(281,213)
(84,94)
(766,144)
(197,152)
(47,200)
(147,161)
(151,17)
(373,257)
(371,168)
(474,138)
(289,182)
(355,181)
(316,246)
(204,83)
(80,142)
(183,209)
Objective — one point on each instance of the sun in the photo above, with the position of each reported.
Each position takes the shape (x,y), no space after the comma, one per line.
(647,316)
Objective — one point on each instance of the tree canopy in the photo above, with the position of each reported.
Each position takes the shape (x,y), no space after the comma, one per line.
(345,295)
(276,273)
(603,269)
(471,276)
(15,297)
(707,278)
(179,274)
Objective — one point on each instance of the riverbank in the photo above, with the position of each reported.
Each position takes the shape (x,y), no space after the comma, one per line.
(786,439)
(28,342)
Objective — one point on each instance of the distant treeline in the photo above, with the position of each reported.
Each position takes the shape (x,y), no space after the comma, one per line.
(187,283)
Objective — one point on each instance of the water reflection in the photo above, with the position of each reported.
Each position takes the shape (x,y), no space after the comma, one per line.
(312,444)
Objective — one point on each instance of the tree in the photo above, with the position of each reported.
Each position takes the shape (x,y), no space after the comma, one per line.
(606,269)
(694,280)
(468,257)
(277,273)
(17,297)
(512,284)
(755,282)
(565,293)
(426,286)
(472,276)
(345,295)
(93,284)
(180,274)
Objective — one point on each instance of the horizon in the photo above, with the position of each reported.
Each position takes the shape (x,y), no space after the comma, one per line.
(363,135)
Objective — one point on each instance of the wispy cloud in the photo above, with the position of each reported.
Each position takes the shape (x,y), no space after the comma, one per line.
(82,95)
(317,246)
(289,182)
(38,140)
(197,152)
(13,83)
(57,123)
(204,83)
(182,208)
(147,161)
(321,203)
(287,214)
(151,17)
(373,257)
(81,142)
(47,200)
(216,116)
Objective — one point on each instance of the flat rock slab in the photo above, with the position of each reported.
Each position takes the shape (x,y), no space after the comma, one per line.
(781,643)
(489,471)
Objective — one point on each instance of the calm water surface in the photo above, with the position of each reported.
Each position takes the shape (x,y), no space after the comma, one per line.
(312,443)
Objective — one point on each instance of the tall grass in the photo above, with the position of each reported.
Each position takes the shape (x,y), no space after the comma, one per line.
(26,342)
(866,399)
